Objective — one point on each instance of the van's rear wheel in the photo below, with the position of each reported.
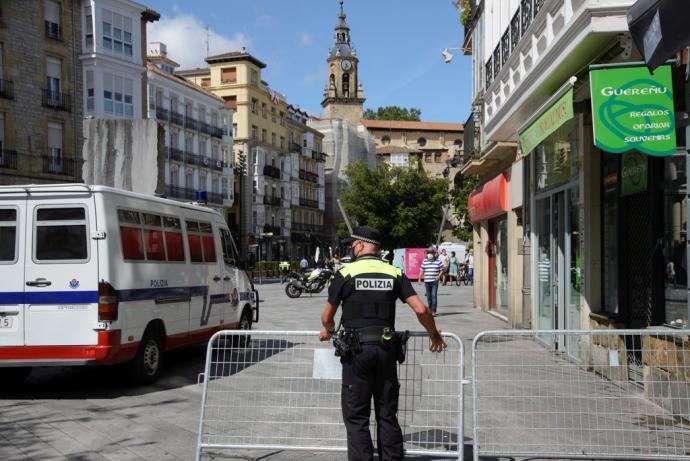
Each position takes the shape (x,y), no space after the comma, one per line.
(13,377)
(245,325)
(147,365)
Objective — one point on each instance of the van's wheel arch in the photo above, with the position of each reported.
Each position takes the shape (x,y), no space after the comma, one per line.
(147,365)
(244,325)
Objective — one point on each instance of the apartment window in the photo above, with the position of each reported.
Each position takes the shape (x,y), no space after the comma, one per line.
(52,19)
(117,33)
(214,151)
(202,147)
(88,27)
(254,75)
(54,147)
(53,77)
(282,142)
(282,119)
(263,110)
(206,81)
(254,104)
(117,95)
(273,139)
(254,130)
(304,142)
(188,144)
(234,130)
(228,75)
(214,119)
(230,102)
(173,104)
(264,136)
(89,91)
(273,114)
(400,160)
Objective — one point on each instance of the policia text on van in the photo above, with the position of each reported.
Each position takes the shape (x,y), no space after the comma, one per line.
(368,289)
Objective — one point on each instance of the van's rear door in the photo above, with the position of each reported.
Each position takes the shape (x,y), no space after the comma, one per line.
(61,278)
(12,241)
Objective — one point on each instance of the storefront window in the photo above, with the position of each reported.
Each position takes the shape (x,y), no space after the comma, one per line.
(500,265)
(674,241)
(556,157)
(610,227)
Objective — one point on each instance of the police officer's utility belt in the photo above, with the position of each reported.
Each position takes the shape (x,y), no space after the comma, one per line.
(373,335)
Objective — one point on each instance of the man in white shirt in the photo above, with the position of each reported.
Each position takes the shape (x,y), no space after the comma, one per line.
(445,261)
(469,263)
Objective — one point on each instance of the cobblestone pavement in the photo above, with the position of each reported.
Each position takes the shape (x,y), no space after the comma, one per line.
(94,414)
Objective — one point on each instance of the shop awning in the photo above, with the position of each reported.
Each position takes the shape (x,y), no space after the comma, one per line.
(489,200)
(557,110)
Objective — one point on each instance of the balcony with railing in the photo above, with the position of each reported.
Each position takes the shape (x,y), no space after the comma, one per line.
(173,153)
(60,165)
(304,227)
(8,159)
(216,132)
(6,89)
(176,118)
(162,113)
(214,197)
(182,193)
(305,202)
(190,123)
(192,159)
(308,176)
(57,100)
(272,201)
(275,230)
(272,171)
(294,147)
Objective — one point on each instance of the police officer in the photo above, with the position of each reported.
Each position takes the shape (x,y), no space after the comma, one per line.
(368,289)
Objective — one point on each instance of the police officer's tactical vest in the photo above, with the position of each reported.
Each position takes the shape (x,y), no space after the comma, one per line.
(370,290)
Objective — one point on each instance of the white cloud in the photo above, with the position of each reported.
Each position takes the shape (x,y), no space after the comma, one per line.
(185,36)
(313,77)
(305,39)
(265,20)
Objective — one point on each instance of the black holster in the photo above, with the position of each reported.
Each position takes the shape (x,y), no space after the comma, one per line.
(400,345)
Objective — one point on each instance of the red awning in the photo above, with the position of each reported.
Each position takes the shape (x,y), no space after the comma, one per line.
(489,200)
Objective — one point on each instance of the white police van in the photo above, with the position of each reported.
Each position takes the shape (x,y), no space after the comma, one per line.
(96,275)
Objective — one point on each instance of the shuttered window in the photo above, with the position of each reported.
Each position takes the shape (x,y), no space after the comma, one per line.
(228,75)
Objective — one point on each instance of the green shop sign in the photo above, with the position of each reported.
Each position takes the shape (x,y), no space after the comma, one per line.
(556,115)
(633,110)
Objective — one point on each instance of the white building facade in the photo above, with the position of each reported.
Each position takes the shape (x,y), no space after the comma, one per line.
(112,63)
(198,134)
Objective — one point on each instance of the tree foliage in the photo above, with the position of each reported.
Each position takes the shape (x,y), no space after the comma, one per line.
(459,197)
(404,204)
(394,113)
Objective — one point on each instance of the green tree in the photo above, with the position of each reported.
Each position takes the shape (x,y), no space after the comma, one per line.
(394,113)
(458,198)
(404,204)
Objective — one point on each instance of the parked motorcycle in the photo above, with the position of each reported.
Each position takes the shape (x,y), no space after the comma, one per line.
(311,283)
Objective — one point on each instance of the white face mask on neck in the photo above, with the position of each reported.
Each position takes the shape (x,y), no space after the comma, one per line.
(429,256)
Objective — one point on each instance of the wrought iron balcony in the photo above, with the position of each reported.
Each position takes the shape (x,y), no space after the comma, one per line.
(294,147)
(6,89)
(175,154)
(60,165)
(272,171)
(216,132)
(162,113)
(307,227)
(270,200)
(308,203)
(176,118)
(190,123)
(204,127)
(214,197)
(8,159)
(180,192)
(192,159)
(57,100)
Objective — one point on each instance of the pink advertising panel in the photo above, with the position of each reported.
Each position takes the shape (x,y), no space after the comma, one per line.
(413,260)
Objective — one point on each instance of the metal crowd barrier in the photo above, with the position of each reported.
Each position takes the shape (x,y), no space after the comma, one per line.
(281,391)
(587,394)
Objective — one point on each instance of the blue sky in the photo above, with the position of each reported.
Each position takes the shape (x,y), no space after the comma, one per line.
(399,44)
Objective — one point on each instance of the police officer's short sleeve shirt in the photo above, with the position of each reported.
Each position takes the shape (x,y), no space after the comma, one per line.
(344,283)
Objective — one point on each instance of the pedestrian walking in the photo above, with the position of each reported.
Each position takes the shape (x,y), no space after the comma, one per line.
(303,264)
(469,264)
(368,289)
(445,260)
(453,270)
(431,270)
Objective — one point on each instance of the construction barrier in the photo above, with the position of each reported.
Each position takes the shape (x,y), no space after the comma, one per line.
(587,394)
(280,390)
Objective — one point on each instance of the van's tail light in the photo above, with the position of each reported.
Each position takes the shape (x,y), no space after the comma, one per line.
(107,301)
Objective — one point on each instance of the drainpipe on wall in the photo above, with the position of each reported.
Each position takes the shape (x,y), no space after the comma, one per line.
(78,174)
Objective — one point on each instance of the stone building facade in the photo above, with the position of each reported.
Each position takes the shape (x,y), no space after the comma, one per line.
(40,92)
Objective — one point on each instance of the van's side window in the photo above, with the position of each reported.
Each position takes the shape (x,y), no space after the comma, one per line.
(61,234)
(200,239)
(8,235)
(130,236)
(153,237)
(173,239)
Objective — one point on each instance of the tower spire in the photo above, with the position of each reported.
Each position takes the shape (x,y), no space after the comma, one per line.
(342,11)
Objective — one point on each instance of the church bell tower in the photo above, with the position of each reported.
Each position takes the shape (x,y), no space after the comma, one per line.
(343,96)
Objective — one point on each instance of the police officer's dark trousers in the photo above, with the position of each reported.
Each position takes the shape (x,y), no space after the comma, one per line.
(371,372)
